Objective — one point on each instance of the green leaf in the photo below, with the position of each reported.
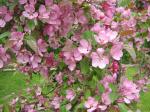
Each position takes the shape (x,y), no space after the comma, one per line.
(31,42)
(123,3)
(61,65)
(144,104)
(98,72)
(31,24)
(131,71)
(6,108)
(63,108)
(79,106)
(114,94)
(85,66)
(87,94)
(89,35)
(123,107)
(94,82)
(131,51)
(101,88)
(3,35)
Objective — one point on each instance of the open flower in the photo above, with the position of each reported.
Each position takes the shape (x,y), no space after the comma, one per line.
(56,102)
(23,1)
(58,78)
(91,104)
(16,39)
(105,98)
(23,57)
(77,55)
(69,60)
(129,91)
(30,11)
(42,46)
(35,60)
(70,95)
(116,51)
(80,17)
(43,13)
(5,16)
(99,59)
(84,47)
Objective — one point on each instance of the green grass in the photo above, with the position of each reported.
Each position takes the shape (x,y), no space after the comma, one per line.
(10,84)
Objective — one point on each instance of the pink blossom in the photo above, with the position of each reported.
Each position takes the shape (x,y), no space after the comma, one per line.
(109,8)
(16,38)
(68,106)
(56,102)
(120,9)
(71,79)
(48,2)
(84,47)
(102,107)
(126,24)
(32,2)
(96,13)
(103,35)
(30,11)
(80,17)
(112,35)
(49,60)
(108,79)
(3,10)
(116,51)
(99,59)
(44,71)
(35,60)
(5,16)
(29,108)
(22,1)
(42,46)
(23,57)
(2,23)
(105,98)
(69,60)
(96,28)
(91,104)
(38,91)
(43,13)
(70,95)
(67,18)
(50,30)
(58,78)
(14,101)
(126,13)
(129,91)
(80,1)
(77,55)
(54,15)
(114,25)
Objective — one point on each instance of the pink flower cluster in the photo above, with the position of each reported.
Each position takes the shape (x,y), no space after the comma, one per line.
(129,91)
(5,16)
(29,6)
